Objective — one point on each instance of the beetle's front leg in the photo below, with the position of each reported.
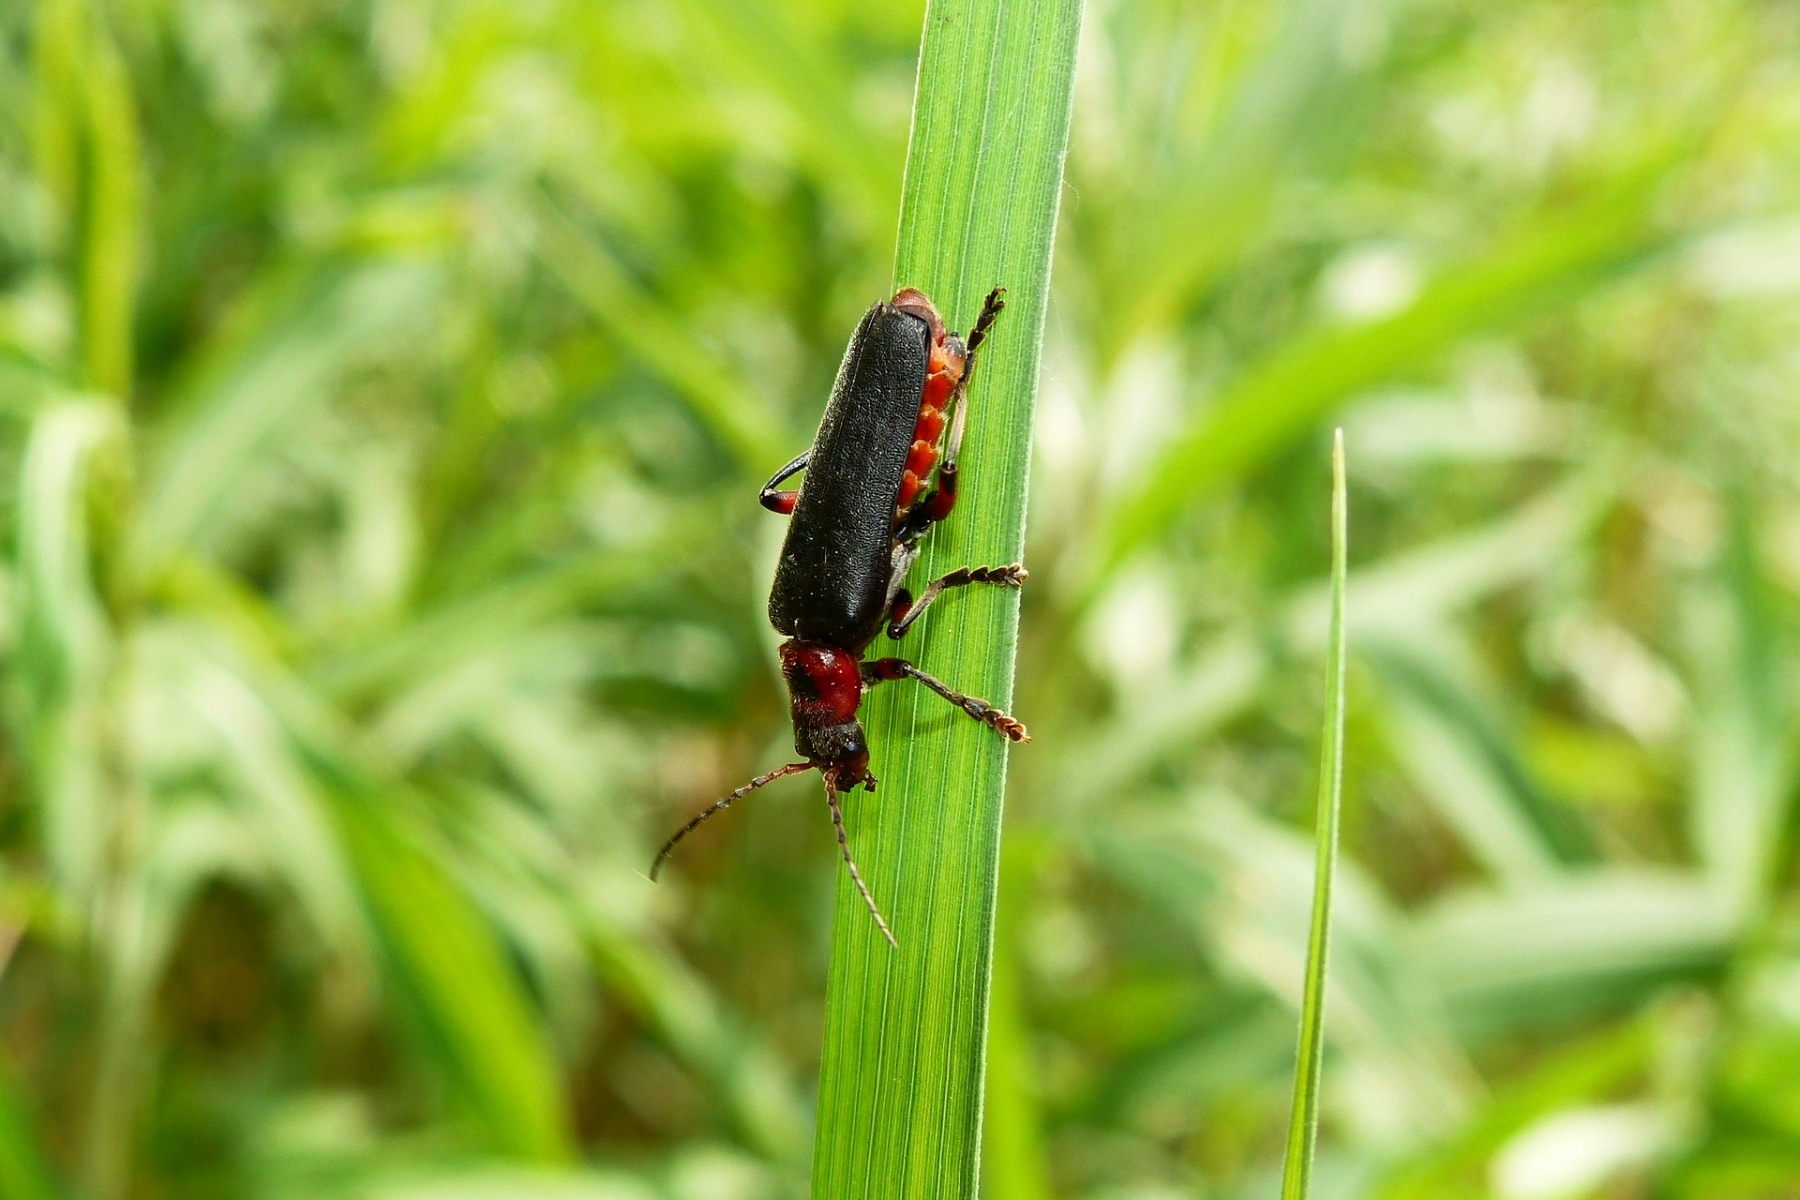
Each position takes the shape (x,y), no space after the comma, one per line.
(904,610)
(778,501)
(898,668)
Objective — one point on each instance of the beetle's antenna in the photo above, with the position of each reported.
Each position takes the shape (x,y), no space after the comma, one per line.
(662,856)
(837,819)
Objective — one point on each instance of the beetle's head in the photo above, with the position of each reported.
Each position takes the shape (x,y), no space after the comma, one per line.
(825,688)
(912,300)
(949,353)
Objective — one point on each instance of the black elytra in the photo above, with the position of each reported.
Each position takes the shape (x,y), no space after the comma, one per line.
(833,580)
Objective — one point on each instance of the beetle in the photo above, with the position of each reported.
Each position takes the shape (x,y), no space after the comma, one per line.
(874,486)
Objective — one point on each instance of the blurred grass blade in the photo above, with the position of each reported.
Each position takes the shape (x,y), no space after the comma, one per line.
(469,1002)
(1743,765)
(66,642)
(1161,252)
(23,1172)
(1113,760)
(438,1181)
(1012,1154)
(764,44)
(87,151)
(1462,760)
(1538,955)
(1407,597)
(516,868)
(1309,1064)
(656,986)
(444,637)
(901,1078)
(1549,260)
(244,407)
(722,403)
(274,794)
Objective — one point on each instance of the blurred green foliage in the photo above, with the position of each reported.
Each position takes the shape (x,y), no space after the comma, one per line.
(382,390)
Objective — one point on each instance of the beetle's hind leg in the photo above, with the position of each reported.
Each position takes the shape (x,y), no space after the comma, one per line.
(777,501)
(943,497)
(905,610)
(938,504)
(990,308)
(898,668)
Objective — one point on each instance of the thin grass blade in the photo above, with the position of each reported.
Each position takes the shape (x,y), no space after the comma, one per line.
(1309,1065)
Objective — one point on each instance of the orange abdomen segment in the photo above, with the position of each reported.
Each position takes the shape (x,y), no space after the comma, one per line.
(930,427)
(921,459)
(910,487)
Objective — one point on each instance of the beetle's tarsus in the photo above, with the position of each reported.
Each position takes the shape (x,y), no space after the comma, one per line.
(990,309)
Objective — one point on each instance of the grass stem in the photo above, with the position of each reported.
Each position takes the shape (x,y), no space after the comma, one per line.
(1309,1065)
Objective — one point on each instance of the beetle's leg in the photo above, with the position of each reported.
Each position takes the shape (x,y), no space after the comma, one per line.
(898,668)
(905,610)
(783,502)
(837,820)
(668,848)
(942,499)
(990,308)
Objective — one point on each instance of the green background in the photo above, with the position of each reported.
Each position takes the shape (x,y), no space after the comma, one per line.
(383,392)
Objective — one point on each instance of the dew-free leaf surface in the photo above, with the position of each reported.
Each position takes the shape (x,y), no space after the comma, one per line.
(901,1081)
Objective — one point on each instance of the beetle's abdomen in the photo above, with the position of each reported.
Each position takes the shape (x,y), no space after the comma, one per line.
(831,583)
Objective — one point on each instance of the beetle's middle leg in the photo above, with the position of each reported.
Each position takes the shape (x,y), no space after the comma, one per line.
(905,610)
(898,668)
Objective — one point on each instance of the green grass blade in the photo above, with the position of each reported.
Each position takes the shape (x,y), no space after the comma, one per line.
(1469,767)
(442,638)
(657,987)
(1519,957)
(766,47)
(468,1002)
(66,644)
(722,402)
(1743,767)
(247,405)
(23,1173)
(901,1078)
(1309,1064)
(88,152)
